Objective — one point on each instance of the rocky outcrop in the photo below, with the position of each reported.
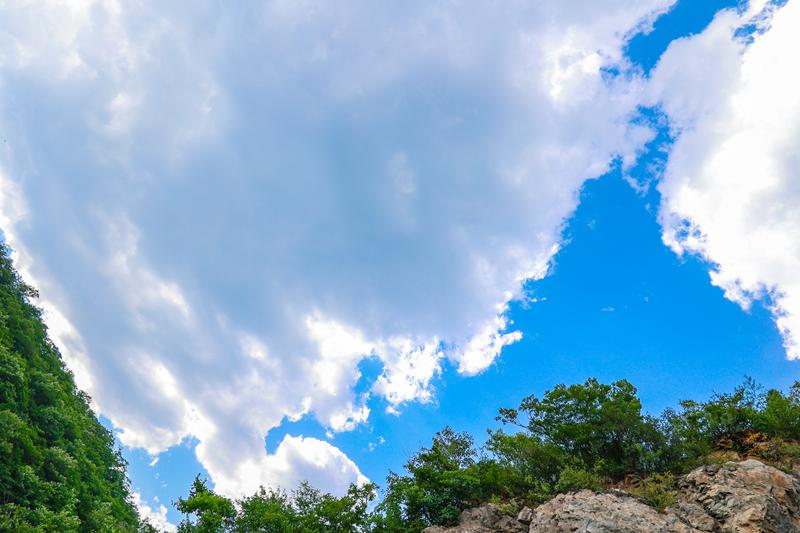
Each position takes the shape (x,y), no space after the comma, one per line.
(614,511)
(742,497)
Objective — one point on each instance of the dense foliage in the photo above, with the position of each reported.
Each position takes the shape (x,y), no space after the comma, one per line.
(305,510)
(587,435)
(59,470)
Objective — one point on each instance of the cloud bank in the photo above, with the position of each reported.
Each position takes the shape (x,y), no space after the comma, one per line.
(227,208)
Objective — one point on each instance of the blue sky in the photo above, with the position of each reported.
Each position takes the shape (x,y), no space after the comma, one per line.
(284,241)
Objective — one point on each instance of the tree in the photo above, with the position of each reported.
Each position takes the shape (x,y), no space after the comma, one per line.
(594,426)
(781,413)
(442,481)
(266,510)
(723,421)
(325,513)
(212,512)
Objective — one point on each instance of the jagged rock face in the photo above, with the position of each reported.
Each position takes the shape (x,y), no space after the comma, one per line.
(745,497)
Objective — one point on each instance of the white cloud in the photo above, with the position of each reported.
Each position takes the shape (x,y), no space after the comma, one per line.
(477,354)
(157,517)
(408,370)
(730,191)
(231,206)
(296,459)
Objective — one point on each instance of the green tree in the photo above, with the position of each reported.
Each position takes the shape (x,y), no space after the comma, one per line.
(781,414)
(442,480)
(266,510)
(698,428)
(596,427)
(577,436)
(325,513)
(211,511)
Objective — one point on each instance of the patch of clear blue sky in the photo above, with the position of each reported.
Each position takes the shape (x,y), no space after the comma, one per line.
(617,305)
(687,17)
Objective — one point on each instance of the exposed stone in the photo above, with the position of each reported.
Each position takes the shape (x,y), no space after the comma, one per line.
(745,497)
(488,518)
(694,515)
(586,511)
(525,515)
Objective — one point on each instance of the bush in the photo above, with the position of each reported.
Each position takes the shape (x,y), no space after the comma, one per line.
(572,478)
(657,490)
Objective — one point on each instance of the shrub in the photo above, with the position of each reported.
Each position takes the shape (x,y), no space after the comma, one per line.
(657,490)
(572,478)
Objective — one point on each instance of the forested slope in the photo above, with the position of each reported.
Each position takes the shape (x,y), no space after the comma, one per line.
(59,470)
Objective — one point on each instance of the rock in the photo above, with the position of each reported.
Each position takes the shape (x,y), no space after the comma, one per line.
(586,511)
(694,515)
(525,515)
(744,497)
(740,497)
(487,518)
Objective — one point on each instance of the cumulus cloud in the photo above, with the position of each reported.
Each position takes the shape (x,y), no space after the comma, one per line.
(229,207)
(730,191)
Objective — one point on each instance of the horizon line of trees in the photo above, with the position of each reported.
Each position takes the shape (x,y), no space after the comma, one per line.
(587,435)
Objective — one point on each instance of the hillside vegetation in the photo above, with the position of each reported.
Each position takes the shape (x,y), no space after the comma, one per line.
(590,435)
(59,470)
